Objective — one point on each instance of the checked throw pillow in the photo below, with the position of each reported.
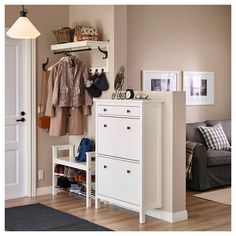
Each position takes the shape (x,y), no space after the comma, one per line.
(215,137)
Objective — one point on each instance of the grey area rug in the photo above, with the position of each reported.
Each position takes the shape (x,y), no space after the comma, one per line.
(38,217)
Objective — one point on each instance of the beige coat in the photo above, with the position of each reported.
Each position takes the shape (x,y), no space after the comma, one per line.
(64,120)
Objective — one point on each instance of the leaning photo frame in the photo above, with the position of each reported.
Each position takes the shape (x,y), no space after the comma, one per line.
(160,80)
(199,87)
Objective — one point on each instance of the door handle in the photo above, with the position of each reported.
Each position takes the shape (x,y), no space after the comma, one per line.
(21,120)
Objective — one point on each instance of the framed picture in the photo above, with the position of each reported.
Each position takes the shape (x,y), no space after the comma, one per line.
(160,80)
(199,87)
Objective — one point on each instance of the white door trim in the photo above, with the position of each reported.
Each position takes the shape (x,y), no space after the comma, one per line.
(31,137)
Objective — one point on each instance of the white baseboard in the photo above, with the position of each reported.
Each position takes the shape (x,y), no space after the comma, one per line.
(44,190)
(160,214)
(168,216)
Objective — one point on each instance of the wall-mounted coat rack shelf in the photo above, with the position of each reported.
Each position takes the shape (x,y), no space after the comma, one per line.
(87,45)
(101,46)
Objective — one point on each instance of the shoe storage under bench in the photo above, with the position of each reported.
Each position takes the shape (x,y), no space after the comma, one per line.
(70,162)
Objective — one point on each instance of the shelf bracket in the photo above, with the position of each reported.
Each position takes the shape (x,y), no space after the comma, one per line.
(104,52)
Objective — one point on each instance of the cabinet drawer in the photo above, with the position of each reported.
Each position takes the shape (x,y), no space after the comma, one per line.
(130,111)
(119,180)
(119,137)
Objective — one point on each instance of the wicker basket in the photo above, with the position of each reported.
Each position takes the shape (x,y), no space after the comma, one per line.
(64,35)
(86,33)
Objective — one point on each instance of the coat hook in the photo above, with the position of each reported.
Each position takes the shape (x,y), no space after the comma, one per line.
(103,51)
(45,64)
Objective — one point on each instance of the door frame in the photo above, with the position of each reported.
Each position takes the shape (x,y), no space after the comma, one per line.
(31,106)
(30,76)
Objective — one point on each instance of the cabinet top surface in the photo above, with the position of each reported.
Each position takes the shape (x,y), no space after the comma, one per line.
(126,101)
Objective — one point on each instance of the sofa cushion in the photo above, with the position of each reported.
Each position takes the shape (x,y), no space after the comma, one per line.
(218,158)
(193,134)
(215,137)
(226,125)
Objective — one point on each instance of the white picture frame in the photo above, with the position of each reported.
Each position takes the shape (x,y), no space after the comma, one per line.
(160,80)
(199,87)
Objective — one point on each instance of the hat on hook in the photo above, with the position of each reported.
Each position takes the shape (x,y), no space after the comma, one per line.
(101,82)
(94,91)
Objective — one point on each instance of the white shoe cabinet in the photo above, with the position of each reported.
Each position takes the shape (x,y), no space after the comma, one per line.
(129,154)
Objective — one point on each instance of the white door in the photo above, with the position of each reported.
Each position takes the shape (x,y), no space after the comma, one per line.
(15,119)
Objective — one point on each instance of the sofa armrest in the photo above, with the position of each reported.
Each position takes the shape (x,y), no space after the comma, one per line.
(200,157)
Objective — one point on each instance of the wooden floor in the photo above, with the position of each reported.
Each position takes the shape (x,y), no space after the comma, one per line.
(203,215)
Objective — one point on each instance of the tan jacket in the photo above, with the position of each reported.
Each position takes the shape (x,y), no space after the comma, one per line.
(64,120)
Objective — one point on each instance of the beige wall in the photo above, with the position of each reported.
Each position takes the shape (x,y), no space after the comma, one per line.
(194,38)
(112,24)
(45,18)
(102,18)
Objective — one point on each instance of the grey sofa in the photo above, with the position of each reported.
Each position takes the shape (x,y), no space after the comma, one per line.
(210,168)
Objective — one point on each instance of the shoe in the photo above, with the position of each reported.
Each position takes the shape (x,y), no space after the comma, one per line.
(82,178)
(59,169)
(71,173)
(66,169)
(63,182)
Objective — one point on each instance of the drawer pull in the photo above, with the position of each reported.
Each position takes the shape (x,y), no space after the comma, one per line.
(105,167)
(128,127)
(105,125)
(128,111)
(105,109)
(128,171)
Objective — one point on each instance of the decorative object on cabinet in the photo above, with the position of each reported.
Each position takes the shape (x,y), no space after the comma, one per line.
(199,87)
(71,165)
(101,46)
(160,80)
(86,33)
(64,34)
(129,154)
(118,84)
(141,96)
(129,93)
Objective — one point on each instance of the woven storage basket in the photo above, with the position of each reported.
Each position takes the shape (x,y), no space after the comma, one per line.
(64,35)
(86,33)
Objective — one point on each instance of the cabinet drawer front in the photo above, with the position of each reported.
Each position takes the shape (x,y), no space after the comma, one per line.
(119,179)
(119,137)
(129,111)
